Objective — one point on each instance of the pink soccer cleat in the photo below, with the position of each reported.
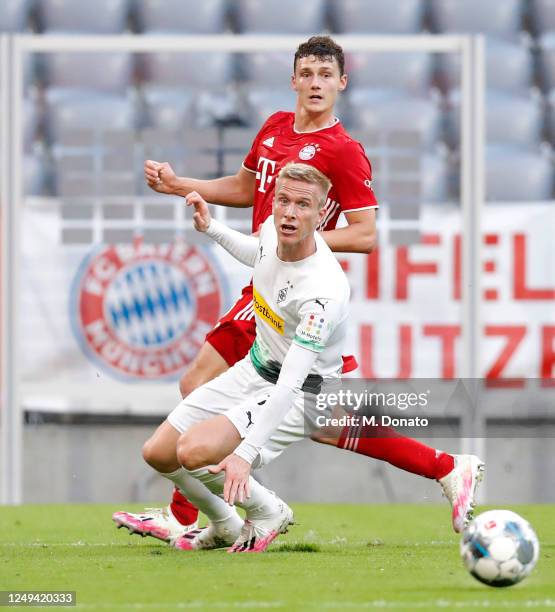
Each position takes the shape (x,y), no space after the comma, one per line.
(258,533)
(157,523)
(459,487)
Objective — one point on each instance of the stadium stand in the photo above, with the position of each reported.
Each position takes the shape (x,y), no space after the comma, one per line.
(378,16)
(411,72)
(390,111)
(502,18)
(165,92)
(266,69)
(86,111)
(542,15)
(186,70)
(546,44)
(99,72)
(178,16)
(35,175)
(514,175)
(69,16)
(283,17)
(511,119)
(14,15)
(550,123)
(509,67)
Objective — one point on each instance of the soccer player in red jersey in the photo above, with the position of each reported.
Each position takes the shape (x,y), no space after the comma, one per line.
(312,135)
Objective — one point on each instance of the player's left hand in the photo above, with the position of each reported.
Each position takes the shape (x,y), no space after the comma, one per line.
(201,217)
(237,472)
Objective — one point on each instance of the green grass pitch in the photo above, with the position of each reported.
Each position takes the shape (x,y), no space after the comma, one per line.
(340,557)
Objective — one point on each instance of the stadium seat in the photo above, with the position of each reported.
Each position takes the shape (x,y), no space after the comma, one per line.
(168,108)
(493,17)
(69,16)
(282,17)
(542,15)
(397,70)
(513,120)
(31,120)
(181,16)
(510,119)
(84,111)
(263,102)
(436,178)
(516,175)
(209,70)
(267,69)
(547,60)
(106,72)
(35,175)
(389,113)
(509,67)
(378,16)
(551,116)
(13,15)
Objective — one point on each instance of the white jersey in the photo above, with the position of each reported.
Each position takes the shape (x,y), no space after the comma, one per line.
(304,301)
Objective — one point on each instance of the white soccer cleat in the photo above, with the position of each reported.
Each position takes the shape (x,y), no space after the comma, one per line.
(158,523)
(208,538)
(459,487)
(258,533)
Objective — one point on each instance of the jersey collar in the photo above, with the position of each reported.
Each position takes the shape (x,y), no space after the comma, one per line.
(327,127)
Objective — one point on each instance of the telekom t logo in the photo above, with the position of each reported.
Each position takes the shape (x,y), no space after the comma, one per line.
(266,168)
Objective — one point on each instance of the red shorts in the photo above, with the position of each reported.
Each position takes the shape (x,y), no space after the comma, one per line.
(235,332)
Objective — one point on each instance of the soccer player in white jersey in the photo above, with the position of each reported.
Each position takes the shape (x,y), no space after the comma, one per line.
(314,135)
(249,414)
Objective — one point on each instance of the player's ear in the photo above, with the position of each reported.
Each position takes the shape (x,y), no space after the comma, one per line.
(321,213)
(293,83)
(343,80)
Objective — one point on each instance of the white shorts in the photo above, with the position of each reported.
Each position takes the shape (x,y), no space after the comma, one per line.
(240,394)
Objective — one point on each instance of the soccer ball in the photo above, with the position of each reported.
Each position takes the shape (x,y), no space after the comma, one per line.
(499,548)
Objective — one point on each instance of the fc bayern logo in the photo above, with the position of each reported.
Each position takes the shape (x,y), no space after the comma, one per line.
(142,311)
(308,152)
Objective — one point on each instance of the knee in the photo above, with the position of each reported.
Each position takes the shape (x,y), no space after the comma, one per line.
(192,454)
(158,457)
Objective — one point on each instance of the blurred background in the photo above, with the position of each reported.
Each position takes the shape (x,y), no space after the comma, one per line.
(107,292)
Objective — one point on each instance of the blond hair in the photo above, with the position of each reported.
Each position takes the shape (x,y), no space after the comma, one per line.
(307,174)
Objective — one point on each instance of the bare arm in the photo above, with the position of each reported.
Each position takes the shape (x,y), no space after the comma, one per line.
(358,237)
(236,191)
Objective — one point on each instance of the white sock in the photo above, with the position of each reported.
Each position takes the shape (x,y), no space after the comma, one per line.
(260,504)
(213,506)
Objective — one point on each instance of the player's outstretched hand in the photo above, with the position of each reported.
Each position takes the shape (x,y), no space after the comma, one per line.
(160,176)
(237,472)
(201,216)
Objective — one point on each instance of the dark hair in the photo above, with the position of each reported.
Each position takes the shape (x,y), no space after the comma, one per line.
(322,47)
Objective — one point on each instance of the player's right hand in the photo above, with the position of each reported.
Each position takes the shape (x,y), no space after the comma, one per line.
(159,176)
(201,217)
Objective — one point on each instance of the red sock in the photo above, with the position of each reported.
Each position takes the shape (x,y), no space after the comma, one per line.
(183,509)
(386,444)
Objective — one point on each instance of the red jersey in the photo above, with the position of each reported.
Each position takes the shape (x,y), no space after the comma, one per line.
(329,149)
